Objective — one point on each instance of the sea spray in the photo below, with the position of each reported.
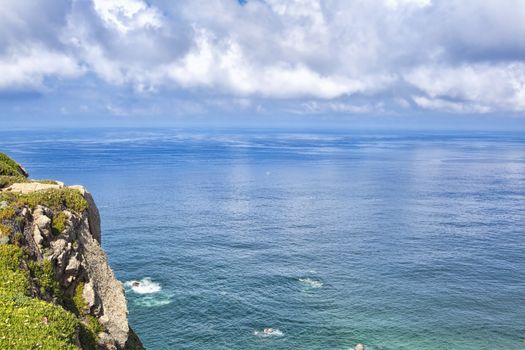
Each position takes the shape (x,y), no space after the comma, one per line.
(144,286)
(147,293)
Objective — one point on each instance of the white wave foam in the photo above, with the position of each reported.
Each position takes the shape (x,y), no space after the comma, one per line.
(144,286)
(269,332)
(311,283)
(152,301)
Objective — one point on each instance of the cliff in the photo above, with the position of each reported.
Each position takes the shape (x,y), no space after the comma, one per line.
(57,290)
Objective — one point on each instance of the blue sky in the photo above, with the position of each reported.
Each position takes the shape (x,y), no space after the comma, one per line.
(403,63)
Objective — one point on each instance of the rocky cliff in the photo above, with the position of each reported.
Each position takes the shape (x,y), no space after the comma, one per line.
(57,290)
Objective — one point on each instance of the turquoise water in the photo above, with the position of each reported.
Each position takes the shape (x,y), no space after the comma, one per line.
(398,240)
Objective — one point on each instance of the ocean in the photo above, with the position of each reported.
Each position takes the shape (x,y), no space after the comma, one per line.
(398,240)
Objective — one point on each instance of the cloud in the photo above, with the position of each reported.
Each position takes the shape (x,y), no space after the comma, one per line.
(29,66)
(396,4)
(473,87)
(128,15)
(333,56)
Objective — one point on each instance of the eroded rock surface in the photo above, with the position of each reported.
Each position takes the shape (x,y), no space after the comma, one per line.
(79,263)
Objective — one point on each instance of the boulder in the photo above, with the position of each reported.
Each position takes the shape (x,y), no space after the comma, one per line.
(37,236)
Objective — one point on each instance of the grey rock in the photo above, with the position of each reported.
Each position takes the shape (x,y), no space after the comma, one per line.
(42,221)
(73,266)
(93,214)
(107,288)
(106,341)
(37,236)
(58,246)
(88,294)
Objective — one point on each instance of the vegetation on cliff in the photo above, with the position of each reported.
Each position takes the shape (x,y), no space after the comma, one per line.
(42,282)
(27,322)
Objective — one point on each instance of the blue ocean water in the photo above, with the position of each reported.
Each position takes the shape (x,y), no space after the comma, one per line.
(398,240)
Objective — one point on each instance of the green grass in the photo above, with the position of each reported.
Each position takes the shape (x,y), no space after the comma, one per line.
(8,180)
(78,300)
(7,170)
(7,213)
(35,324)
(5,230)
(48,182)
(59,223)
(14,280)
(44,277)
(27,323)
(56,199)
(91,326)
(9,167)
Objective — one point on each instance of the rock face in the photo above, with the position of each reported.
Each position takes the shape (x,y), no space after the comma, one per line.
(93,214)
(102,286)
(50,246)
(70,241)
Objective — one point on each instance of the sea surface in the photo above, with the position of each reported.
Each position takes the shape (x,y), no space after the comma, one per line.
(399,240)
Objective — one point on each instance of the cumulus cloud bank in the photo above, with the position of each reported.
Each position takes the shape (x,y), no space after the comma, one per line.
(340,56)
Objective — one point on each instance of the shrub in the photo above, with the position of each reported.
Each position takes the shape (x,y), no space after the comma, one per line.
(7,213)
(6,170)
(78,300)
(59,223)
(49,182)
(28,323)
(6,181)
(35,324)
(91,326)
(56,199)
(9,167)
(45,279)
(5,230)
(14,280)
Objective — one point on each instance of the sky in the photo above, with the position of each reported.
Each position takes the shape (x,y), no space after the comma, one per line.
(320,63)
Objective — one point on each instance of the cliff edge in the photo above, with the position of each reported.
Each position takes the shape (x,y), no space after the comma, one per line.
(57,290)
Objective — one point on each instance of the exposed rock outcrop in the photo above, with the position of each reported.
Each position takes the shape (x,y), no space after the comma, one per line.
(28,187)
(60,226)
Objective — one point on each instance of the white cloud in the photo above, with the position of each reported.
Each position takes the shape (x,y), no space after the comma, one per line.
(319,107)
(477,87)
(28,66)
(382,53)
(128,15)
(395,4)
(450,106)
